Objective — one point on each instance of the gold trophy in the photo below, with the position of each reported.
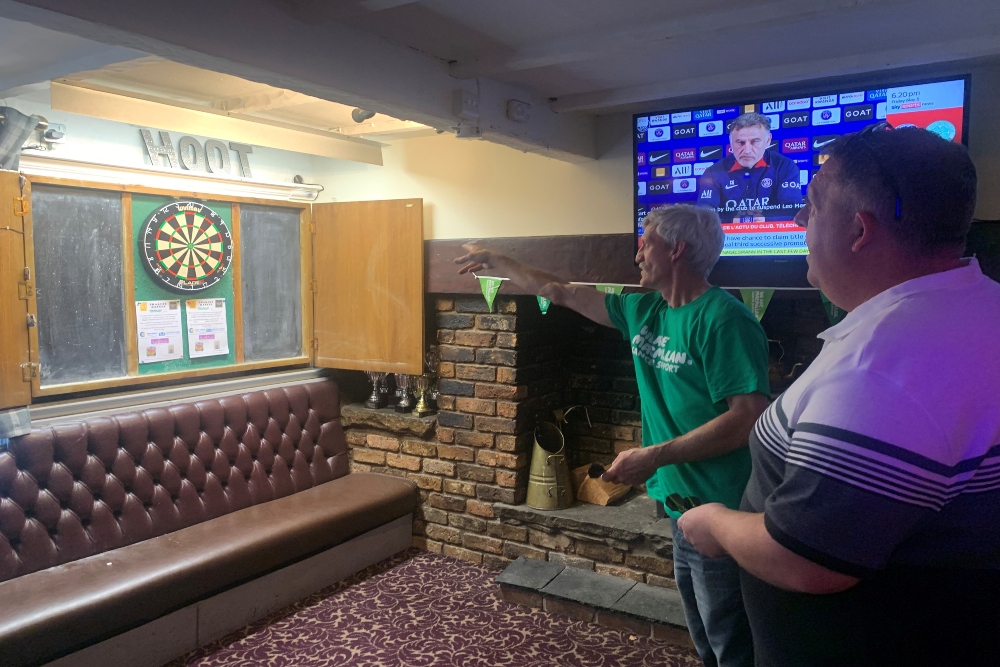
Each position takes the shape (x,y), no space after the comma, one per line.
(423,406)
(427,384)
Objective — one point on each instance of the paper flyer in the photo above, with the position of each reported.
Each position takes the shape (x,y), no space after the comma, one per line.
(161,334)
(207,330)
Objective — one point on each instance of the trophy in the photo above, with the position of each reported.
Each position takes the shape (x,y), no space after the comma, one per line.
(376,399)
(405,402)
(427,384)
(423,406)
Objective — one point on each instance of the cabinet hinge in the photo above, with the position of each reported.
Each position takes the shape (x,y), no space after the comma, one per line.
(314,286)
(29,371)
(22,207)
(315,343)
(312,227)
(25,289)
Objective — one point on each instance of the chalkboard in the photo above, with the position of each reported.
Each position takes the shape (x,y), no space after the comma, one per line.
(147,290)
(271,264)
(79,283)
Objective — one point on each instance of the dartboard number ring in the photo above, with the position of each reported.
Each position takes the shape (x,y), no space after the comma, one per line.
(186,247)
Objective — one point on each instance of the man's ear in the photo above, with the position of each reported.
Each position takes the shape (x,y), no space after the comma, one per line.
(677,251)
(862,230)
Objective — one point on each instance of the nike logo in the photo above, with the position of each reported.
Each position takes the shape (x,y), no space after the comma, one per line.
(707,154)
(657,158)
(819,144)
(730,187)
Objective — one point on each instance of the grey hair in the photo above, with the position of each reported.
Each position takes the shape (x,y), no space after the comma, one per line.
(699,228)
(751,120)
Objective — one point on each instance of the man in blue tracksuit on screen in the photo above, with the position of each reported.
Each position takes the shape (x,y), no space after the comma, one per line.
(753,181)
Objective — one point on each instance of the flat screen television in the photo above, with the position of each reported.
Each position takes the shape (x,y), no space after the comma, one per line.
(687,156)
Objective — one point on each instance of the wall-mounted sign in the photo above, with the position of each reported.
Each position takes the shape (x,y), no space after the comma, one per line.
(191,155)
(186,247)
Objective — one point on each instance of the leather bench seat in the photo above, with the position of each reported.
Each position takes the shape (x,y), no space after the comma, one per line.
(54,611)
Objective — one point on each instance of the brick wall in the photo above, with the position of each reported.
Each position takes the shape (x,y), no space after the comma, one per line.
(498,372)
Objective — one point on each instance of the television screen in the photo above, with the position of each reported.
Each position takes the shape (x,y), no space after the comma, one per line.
(752,160)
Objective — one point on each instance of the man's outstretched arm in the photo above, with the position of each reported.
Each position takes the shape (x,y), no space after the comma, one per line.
(582,298)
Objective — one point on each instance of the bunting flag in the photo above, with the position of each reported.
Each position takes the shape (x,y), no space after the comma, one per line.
(543,304)
(610,289)
(490,287)
(757,300)
(833,311)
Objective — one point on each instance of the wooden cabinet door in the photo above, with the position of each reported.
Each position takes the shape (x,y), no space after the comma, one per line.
(368,263)
(14,390)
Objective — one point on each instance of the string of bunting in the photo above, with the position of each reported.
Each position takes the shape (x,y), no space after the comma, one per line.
(490,285)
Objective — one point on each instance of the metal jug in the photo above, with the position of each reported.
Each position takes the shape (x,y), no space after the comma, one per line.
(548,479)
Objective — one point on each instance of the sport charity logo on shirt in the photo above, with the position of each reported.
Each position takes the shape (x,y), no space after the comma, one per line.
(652,349)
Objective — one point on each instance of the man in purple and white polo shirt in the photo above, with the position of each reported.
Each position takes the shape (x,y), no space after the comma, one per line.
(870,529)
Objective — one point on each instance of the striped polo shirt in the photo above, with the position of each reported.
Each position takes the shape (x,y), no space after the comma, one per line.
(884,456)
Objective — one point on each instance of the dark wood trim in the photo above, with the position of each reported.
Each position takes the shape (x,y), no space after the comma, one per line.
(592,258)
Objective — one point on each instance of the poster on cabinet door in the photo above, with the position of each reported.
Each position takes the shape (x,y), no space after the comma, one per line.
(207,331)
(161,334)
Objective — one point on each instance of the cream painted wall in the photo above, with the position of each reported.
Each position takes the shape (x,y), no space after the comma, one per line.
(474,188)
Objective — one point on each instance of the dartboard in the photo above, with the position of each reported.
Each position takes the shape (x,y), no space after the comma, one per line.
(186,246)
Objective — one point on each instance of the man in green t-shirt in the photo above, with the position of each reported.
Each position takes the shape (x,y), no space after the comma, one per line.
(701,363)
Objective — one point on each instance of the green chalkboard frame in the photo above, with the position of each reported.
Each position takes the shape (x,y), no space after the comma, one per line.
(146,290)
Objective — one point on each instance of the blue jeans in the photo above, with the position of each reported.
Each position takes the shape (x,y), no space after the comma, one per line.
(713,605)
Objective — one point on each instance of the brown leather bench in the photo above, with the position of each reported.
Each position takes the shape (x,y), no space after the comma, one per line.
(113,523)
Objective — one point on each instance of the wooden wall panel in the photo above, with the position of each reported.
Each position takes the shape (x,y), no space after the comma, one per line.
(14,391)
(369,304)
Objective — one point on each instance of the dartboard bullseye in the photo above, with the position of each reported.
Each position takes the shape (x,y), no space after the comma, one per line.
(187,247)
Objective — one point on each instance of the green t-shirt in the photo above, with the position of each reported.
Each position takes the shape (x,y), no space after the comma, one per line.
(688,360)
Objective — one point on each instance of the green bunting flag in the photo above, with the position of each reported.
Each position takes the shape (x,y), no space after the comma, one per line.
(610,289)
(833,311)
(490,287)
(757,300)
(543,304)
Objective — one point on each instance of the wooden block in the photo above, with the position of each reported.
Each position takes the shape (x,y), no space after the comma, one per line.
(595,491)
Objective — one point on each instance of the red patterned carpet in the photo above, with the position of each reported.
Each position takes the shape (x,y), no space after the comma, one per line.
(420,609)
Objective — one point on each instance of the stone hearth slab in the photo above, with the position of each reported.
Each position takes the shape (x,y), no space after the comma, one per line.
(387,419)
(590,588)
(660,536)
(527,573)
(626,521)
(662,605)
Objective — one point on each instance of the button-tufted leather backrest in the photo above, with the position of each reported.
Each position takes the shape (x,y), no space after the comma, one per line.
(82,488)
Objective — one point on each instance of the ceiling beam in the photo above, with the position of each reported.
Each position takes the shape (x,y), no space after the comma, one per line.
(659,35)
(97,59)
(856,63)
(255,40)
(322,11)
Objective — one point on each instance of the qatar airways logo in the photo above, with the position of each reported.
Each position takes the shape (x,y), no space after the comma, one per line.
(684,155)
(796,145)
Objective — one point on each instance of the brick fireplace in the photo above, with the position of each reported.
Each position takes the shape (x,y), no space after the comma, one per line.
(499,372)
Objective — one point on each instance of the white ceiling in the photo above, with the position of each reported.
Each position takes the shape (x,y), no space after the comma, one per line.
(568,59)
(594,54)
(31,55)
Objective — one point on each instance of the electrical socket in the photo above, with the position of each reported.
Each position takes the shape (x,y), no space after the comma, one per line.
(465,105)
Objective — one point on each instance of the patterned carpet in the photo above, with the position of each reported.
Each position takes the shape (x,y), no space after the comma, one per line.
(420,609)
